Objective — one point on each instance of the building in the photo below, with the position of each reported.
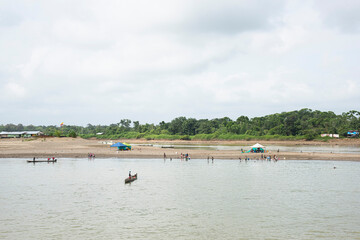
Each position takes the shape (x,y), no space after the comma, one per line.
(25,134)
(330,135)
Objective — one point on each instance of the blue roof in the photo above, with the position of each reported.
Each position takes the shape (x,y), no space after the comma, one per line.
(119,144)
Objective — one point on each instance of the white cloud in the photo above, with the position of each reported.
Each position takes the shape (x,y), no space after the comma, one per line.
(14,92)
(90,61)
(342,15)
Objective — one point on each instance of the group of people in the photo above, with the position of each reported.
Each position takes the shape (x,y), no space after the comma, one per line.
(91,155)
(212,159)
(269,158)
(263,157)
(185,156)
(257,150)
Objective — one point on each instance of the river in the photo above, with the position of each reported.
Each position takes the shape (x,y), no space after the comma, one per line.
(282,148)
(227,199)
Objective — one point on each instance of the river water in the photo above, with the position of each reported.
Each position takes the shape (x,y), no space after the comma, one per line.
(227,199)
(282,148)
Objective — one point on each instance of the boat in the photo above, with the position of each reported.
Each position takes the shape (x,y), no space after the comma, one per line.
(37,161)
(133,178)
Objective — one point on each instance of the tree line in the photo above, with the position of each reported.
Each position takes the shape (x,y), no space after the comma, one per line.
(299,124)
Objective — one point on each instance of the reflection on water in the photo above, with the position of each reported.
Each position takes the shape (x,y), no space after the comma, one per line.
(297,148)
(81,199)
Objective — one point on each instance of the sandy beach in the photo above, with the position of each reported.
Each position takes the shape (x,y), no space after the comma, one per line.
(79,148)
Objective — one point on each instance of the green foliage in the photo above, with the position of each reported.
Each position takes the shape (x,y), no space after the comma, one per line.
(72,134)
(57,133)
(185,137)
(310,135)
(301,124)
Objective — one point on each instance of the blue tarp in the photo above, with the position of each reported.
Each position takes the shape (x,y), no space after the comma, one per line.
(119,144)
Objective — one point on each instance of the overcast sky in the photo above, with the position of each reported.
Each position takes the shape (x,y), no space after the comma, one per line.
(98,62)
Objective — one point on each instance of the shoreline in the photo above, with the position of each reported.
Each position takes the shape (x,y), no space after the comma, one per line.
(79,148)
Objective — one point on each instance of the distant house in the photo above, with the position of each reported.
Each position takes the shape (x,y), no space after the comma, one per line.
(33,133)
(353,133)
(20,134)
(11,134)
(330,135)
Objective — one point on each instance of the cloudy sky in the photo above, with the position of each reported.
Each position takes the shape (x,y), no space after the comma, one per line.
(97,62)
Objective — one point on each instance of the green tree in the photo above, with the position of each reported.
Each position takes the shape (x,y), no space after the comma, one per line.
(176,125)
(189,126)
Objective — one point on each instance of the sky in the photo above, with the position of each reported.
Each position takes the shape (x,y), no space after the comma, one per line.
(97,62)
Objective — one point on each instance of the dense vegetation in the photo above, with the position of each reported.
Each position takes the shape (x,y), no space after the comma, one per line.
(302,124)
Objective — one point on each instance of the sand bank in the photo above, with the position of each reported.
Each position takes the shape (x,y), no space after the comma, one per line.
(79,148)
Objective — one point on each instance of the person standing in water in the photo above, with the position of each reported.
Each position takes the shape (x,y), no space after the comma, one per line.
(129,174)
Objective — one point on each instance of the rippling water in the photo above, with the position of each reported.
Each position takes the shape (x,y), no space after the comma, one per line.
(82,199)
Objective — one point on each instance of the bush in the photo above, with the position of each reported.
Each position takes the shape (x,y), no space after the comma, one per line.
(310,135)
(186,137)
(57,133)
(72,134)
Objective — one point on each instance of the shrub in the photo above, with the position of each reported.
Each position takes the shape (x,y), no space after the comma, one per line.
(185,137)
(72,134)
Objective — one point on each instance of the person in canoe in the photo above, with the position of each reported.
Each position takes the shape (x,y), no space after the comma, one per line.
(129,174)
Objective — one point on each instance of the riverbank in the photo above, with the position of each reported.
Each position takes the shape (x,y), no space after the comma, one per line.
(79,148)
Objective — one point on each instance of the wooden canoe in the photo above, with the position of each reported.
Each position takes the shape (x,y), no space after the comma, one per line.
(129,180)
(37,161)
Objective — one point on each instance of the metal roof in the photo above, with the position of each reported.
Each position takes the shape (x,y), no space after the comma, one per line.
(20,133)
(12,133)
